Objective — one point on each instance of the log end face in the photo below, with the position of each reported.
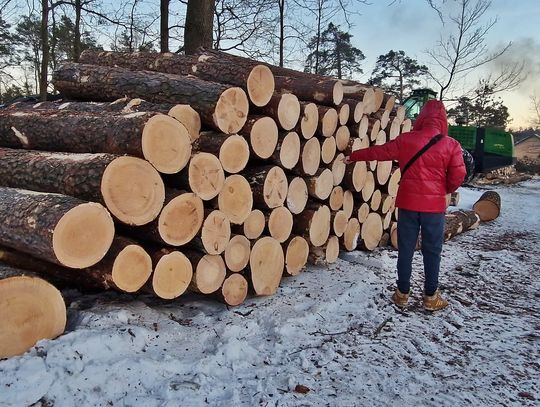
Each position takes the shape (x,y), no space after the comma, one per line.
(166,144)
(254,224)
(332,249)
(297,195)
(275,187)
(83,235)
(309,121)
(172,275)
(311,156)
(31,309)
(216,232)
(206,176)
(337,93)
(234,290)
(234,154)
(320,226)
(264,137)
(231,110)
(188,117)
(260,85)
(131,268)
(132,190)
(209,274)
(288,111)
(289,153)
(237,253)
(235,199)
(266,263)
(296,256)
(181,219)
(280,223)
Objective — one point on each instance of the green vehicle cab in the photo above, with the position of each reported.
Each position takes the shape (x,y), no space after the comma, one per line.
(490,148)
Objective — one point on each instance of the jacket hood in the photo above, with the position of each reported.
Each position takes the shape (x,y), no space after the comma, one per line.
(432,115)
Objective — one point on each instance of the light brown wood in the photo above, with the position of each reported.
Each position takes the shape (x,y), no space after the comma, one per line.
(343,114)
(375,200)
(287,153)
(321,184)
(348,203)
(262,133)
(237,253)
(266,265)
(185,114)
(314,88)
(181,219)
(372,166)
(351,235)
(234,290)
(379,98)
(309,120)
(363,212)
(205,175)
(172,275)
(297,195)
(339,222)
(215,232)
(393,182)
(284,108)
(325,254)
(368,187)
(389,102)
(310,157)
(328,121)
(457,222)
(260,85)
(253,226)
(296,255)
(395,129)
(343,136)
(362,128)
(374,129)
(372,231)
(358,112)
(234,154)
(314,223)
(387,203)
(328,150)
(356,176)
(31,309)
(235,199)
(336,198)
(406,126)
(381,138)
(383,171)
(269,185)
(280,223)
(338,169)
(488,206)
(208,274)
(387,220)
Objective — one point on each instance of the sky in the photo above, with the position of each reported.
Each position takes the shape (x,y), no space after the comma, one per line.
(412,26)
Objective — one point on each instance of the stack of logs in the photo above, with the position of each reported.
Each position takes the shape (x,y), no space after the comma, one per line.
(209,173)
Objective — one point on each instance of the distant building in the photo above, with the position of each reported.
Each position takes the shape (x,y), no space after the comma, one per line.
(528,148)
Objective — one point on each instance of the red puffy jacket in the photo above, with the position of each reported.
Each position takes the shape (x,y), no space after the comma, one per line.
(440,170)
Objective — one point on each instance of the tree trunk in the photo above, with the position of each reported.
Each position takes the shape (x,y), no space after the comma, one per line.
(328,121)
(208,274)
(279,223)
(164,26)
(156,137)
(44,35)
(488,206)
(284,109)
(309,120)
(351,235)
(57,228)
(310,157)
(315,89)
(129,187)
(220,106)
(321,184)
(198,31)
(31,309)
(253,226)
(287,152)
(460,221)
(372,231)
(336,198)
(328,150)
(172,274)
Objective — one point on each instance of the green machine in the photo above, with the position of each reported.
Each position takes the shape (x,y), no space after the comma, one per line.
(490,148)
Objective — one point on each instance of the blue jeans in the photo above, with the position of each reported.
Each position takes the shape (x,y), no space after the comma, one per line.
(432,227)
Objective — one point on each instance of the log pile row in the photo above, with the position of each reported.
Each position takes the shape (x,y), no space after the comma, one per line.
(214,174)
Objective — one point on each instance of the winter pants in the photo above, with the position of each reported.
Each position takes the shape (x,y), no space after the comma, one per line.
(432,227)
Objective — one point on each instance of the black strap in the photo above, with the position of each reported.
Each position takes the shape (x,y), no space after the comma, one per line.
(422,151)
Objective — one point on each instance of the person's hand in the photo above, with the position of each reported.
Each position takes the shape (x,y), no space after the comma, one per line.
(346,160)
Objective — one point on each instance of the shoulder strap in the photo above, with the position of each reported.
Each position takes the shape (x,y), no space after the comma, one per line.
(422,151)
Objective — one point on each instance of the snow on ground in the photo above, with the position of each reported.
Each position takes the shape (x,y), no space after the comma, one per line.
(329,337)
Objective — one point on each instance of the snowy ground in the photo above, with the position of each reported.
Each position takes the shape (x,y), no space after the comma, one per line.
(329,337)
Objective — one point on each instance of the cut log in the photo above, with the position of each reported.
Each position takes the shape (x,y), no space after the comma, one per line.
(384,116)
(311,88)
(336,198)
(488,206)
(369,187)
(372,231)
(328,150)
(372,167)
(362,128)
(343,114)
(356,176)
(284,109)
(339,222)
(130,187)
(379,98)
(363,212)
(220,106)
(373,130)
(234,290)
(321,184)
(381,138)
(314,223)
(343,136)
(351,235)
(237,253)
(126,267)
(215,232)
(358,112)
(205,176)
(266,265)
(309,120)
(262,133)
(387,203)
(287,152)
(297,195)
(187,116)
(395,129)
(172,274)
(253,226)
(280,223)
(310,157)
(387,221)
(384,169)
(268,184)
(296,255)
(393,182)
(389,102)
(328,121)
(208,274)
(156,137)
(325,254)
(232,150)
(359,91)
(235,199)
(375,200)
(56,228)
(338,169)
(460,221)
(348,203)
(406,126)
(31,309)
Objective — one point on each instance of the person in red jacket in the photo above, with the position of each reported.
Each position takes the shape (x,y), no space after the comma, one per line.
(421,196)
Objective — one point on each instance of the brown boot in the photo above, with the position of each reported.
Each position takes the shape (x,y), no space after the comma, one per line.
(400,299)
(434,302)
